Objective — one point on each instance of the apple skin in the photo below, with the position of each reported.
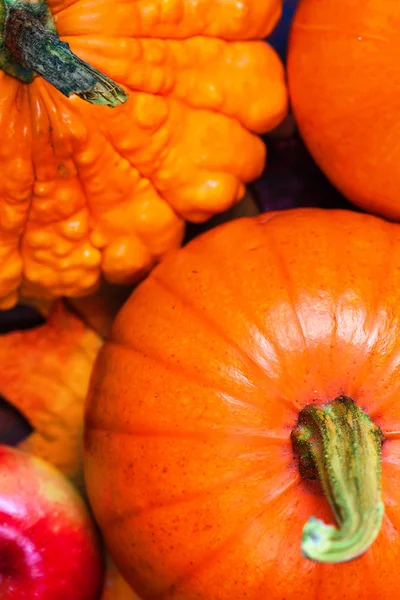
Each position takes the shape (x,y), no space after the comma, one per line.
(49,549)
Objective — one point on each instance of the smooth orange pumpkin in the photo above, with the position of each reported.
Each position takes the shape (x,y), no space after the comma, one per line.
(343,72)
(87,190)
(197,403)
(45,374)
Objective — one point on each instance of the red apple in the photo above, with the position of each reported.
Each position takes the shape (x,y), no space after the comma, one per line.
(48,545)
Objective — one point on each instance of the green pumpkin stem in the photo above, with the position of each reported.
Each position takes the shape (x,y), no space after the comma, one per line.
(38,49)
(340,445)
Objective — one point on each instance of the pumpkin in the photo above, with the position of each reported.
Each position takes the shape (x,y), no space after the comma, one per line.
(90,191)
(45,375)
(245,387)
(343,73)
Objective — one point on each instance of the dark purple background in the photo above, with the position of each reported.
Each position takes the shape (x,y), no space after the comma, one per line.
(278,38)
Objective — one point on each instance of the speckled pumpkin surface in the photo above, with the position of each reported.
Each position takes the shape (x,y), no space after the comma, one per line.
(88,190)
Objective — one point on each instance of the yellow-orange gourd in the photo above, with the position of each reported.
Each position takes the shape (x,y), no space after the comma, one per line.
(87,190)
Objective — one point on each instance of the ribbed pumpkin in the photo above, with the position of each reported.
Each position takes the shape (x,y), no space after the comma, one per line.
(344,74)
(88,190)
(258,358)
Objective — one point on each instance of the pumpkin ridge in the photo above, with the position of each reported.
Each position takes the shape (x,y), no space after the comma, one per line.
(144,174)
(374,585)
(241,308)
(49,100)
(187,498)
(206,320)
(388,520)
(189,434)
(365,358)
(186,372)
(85,205)
(390,473)
(144,190)
(376,321)
(229,541)
(48,219)
(289,287)
(239,301)
(10,282)
(390,435)
(390,515)
(379,325)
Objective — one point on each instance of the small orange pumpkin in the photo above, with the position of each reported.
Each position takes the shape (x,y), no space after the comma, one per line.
(343,73)
(45,373)
(88,191)
(224,389)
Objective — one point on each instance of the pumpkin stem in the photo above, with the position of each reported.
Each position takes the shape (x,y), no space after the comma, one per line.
(38,49)
(339,444)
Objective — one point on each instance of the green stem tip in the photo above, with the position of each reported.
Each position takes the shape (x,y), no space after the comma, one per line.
(33,44)
(340,445)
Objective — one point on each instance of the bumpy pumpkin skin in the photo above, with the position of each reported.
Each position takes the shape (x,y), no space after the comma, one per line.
(188,458)
(343,74)
(88,190)
(45,374)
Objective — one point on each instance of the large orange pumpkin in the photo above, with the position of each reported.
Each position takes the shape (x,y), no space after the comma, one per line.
(344,73)
(198,402)
(87,190)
